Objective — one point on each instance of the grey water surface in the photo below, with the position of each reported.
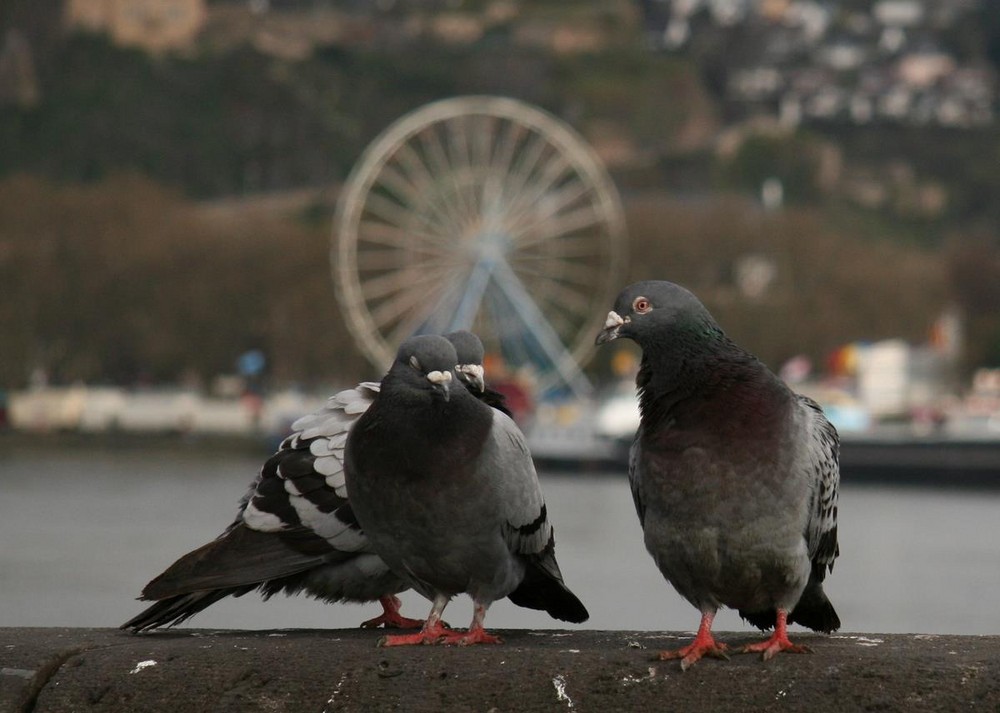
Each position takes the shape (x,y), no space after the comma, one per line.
(83,529)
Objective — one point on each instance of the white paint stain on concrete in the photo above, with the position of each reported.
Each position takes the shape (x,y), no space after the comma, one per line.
(142,665)
(560,685)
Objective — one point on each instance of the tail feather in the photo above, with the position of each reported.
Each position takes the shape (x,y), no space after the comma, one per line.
(239,561)
(240,557)
(813,610)
(174,610)
(544,589)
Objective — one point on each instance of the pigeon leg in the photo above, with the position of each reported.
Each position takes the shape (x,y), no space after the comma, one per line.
(390,616)
(433,631)
(778,641)
(703,645)
(476,633)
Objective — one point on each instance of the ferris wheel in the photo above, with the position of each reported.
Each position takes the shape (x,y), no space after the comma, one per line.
(481,213)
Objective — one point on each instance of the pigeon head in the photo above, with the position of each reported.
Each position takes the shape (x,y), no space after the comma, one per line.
(427,362)
(470,352)
(655,309)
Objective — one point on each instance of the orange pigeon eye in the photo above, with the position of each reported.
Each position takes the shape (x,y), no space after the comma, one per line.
(641,305)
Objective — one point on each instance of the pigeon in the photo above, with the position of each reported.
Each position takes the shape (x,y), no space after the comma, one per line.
(454,506)
(294,529)
(471,354)
(734,476)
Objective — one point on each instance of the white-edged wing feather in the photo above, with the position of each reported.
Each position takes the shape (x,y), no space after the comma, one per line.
(301,487)
(824,479)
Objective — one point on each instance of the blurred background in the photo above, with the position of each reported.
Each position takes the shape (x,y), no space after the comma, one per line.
(823,175)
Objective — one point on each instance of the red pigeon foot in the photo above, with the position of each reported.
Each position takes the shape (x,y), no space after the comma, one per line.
(777,643)
(390,617)
(433,633)
(475,635)
(704,644)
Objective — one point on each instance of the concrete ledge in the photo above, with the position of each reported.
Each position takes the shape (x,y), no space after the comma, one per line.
(48,670)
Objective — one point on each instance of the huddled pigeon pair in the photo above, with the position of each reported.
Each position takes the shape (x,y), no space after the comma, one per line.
(734,478)
(443,498)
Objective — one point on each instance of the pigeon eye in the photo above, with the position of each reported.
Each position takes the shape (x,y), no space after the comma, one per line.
(415,364)
(641,305)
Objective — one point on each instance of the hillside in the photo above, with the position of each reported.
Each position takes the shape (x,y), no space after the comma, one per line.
(116,173)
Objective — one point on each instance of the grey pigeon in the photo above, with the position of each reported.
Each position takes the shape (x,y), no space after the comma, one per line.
(295,530)
(454,505)
(734,476)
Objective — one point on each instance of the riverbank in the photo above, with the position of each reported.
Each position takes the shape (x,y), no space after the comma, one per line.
(51,670)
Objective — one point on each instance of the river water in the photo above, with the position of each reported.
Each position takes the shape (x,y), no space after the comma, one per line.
(83,529)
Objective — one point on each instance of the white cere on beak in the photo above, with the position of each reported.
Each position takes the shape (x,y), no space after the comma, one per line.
(474,371)
(473,374)
(439,377)
(614,320)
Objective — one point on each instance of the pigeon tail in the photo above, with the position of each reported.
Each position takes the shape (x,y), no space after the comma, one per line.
(813,611)
(239,557)
(174,610)
(542,589)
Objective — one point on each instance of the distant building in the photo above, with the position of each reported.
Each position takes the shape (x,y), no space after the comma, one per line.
(18,81)
(899,13)
(154,25)
(922,69)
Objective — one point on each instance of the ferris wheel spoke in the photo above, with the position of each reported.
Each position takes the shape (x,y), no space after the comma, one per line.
(390,211)
(569,304)
(398,183)
(543,203)
(564,296)
(394,236)
(562,271)
(380,259)
(440,166)
(417,318)
(540,187)
(555,202)
(407,302)
(557,227)
(412,278)
(459,141)
(414,167)
(523,168)
(576,246)
(482,139)
(510,136)
(420,176)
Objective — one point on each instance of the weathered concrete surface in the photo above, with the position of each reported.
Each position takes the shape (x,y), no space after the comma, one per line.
(48,670)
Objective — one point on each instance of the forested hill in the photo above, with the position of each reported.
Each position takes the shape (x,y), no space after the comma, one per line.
(114,271)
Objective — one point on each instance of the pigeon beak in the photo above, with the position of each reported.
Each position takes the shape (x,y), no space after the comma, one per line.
(472,374)
(612,325)
(440,380)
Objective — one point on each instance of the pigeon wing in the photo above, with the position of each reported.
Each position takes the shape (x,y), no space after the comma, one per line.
(824,478)
(525,523)
(635,475)
(301,488)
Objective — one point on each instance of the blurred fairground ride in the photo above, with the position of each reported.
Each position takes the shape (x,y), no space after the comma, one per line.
(488,214)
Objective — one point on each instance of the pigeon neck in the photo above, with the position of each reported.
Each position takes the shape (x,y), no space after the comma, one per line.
(684,369)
